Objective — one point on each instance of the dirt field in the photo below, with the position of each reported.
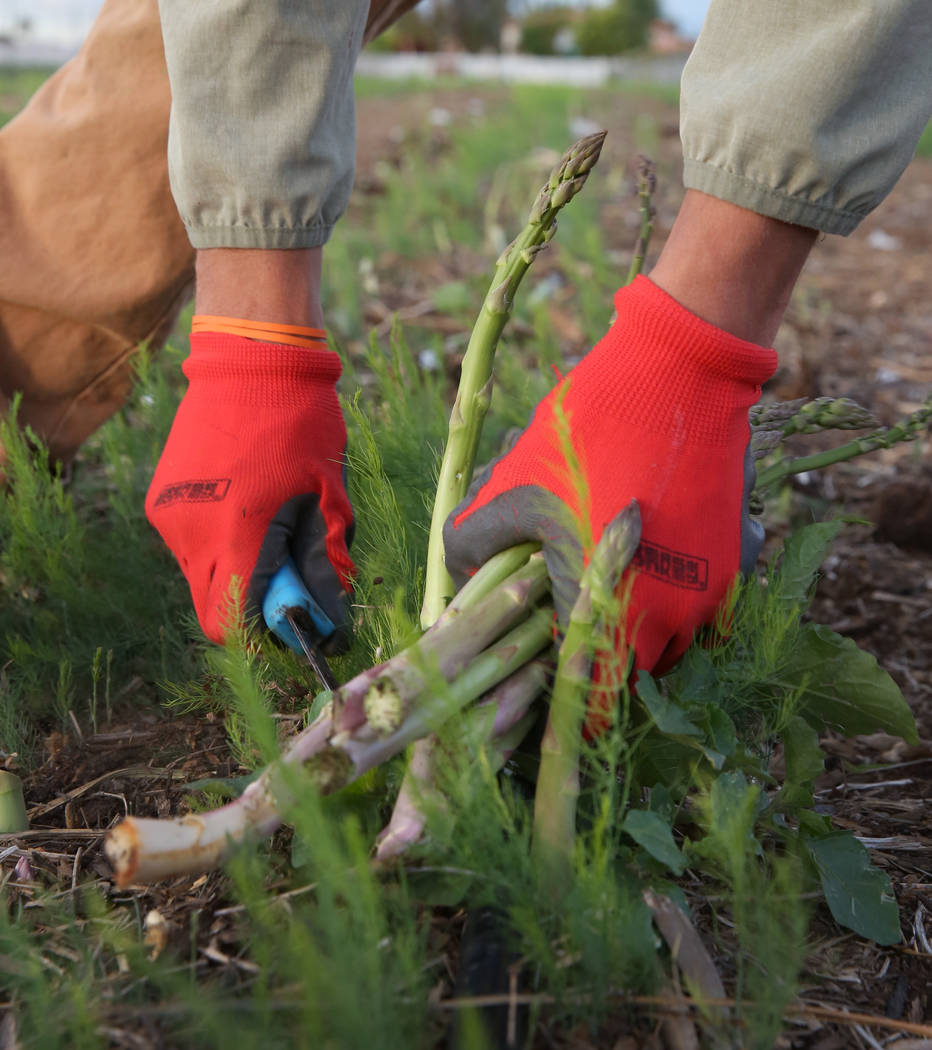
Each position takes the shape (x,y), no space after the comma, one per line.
(860,325)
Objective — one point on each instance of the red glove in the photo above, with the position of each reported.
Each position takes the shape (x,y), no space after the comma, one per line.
(658,412)
(252,471)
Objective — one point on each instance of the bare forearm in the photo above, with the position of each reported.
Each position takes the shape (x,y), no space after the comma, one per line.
(732,267)
(262,285)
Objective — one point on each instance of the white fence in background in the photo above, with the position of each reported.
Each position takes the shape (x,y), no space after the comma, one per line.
(522,69)
(35,53)
(519,69)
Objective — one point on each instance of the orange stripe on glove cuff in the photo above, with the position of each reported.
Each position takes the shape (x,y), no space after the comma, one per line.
(265,331)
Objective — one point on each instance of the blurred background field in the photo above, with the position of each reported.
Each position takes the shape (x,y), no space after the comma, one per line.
(98,638)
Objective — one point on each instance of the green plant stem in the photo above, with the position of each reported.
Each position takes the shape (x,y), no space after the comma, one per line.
(12,805)
(908,429)
(474,393)
(475,387)
(558,777)
(448,650)
(499,722)
(489,576)
(647,183)
(486,671)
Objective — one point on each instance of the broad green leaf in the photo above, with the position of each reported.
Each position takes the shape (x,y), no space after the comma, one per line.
(803,553)
(661,802)
(715,758)
(653,834)
(844,687)
(695,679)
(665,759)
(720,730)
(730,810)
(859,895)
(667,716)
(814,824)
(804,761)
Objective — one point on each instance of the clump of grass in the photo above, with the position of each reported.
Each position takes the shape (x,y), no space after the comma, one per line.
(77,625)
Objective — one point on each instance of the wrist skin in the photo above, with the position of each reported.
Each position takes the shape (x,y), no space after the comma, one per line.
(279,286)
(732,267)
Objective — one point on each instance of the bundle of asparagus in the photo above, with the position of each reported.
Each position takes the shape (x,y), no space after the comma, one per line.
(484,644)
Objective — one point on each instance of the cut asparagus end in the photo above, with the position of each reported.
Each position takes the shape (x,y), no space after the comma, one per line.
(330,769)
(384,706)
(184,846)
(339,747)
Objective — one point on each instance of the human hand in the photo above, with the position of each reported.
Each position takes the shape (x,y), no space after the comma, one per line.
(253,471)
(657,412)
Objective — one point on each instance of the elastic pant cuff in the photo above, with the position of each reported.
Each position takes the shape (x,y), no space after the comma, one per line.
(745,193)
(266,237)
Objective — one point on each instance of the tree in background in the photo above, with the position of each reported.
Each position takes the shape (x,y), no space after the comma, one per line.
(477,24)
(620,27)
(539,28)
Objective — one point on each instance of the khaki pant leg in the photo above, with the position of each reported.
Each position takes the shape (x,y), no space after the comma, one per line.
(806,110)
(93,257)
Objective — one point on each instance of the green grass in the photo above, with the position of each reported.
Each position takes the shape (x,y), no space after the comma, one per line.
(924,148)
(92,606)
(16,86)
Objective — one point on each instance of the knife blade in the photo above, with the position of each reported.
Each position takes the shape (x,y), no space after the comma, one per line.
(294,617)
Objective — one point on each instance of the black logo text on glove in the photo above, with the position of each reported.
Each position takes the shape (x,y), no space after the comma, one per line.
(201,490)
(682,570)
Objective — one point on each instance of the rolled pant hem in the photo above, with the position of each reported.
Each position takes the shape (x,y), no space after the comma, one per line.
(265,237)
(745,193)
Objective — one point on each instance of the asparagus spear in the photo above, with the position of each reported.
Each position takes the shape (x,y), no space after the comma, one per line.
(472,402)
(503,716)
(907,429)
(12,807)
(558,777)
(475,390)
(806,417)
(647,185)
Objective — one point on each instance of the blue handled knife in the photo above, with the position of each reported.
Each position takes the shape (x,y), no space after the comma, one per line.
(292,614)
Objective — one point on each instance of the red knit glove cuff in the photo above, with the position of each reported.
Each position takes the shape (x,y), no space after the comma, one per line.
(264,375)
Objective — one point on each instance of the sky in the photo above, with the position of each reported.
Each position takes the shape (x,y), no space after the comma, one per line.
(67,21)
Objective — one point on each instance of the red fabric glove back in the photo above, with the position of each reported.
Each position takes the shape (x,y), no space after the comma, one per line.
(253,471)
(657,412)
